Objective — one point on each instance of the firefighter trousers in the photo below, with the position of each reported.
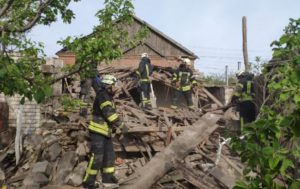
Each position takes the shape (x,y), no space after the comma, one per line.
(186,94)
(102,157)
(145,90)
(247,112)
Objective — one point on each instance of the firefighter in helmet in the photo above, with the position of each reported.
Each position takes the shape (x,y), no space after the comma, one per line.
(144,72)
(105,121)
(183,79)
(243,97)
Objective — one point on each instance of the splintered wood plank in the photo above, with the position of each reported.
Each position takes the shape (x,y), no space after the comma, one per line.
(142,118)
(227,180)
(190,175)
(61,187)
(131,145)
(142,129)
(212,97)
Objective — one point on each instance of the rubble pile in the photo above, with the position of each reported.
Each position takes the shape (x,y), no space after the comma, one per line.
(57,153)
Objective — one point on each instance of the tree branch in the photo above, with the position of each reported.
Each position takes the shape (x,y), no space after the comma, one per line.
(81,67)
(36,18)
(6,6)
(31,23)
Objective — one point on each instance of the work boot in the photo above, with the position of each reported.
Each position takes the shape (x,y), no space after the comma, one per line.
(90,183)
(109,180)
(148,107)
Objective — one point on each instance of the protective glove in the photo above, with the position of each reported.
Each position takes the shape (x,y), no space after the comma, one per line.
(175,84)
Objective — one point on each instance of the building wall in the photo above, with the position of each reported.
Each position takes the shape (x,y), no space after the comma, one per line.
(133,61)
(31,115)
(67,58)
(130,61)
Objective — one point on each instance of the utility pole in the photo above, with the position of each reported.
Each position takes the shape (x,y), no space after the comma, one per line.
(245,49)
(239,66)
(226,75)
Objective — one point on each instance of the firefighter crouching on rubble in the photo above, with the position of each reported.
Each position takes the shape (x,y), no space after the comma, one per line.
(105,122)
(144,72)
(183,79)
(243,97)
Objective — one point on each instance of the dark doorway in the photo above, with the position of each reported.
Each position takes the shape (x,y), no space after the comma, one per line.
(4,114)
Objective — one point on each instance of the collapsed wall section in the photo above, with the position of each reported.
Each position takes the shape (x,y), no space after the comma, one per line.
(31,115)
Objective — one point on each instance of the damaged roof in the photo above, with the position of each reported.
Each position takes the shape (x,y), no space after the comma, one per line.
(157,32)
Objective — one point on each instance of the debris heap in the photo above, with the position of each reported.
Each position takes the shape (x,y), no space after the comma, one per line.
(180,148)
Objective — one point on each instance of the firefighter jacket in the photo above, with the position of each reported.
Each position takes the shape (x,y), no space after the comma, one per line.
(244,91)
(184,77)
(145,70)
(105,117)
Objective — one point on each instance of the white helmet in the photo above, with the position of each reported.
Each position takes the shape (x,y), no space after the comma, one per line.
(109,79)
(144,55)
(187,61)
(239,73)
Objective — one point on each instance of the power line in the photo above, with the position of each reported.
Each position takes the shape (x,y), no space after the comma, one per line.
(225,57)
(226,49)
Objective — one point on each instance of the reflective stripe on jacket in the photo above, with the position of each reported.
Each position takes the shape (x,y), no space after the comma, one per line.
(244,91)
(145,70)
(104,114)
(185,78)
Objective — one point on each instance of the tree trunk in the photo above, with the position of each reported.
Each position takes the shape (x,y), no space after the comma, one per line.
(162,162)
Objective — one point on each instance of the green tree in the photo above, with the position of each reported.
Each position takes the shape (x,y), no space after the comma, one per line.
(17,18)
(270,147)
(219,79)
(257,66)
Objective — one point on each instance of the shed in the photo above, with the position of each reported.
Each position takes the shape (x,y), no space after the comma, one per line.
(162,49)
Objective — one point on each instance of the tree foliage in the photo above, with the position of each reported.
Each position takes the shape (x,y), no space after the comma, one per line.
(21,58)
(270,147)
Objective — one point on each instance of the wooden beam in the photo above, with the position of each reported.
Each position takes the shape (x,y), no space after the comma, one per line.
(162,162)
(141,129)
(225,179)
(212,97)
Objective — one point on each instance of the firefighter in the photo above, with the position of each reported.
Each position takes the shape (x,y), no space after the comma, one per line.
(243,97)
(105,121)
(144,72)
(183,79)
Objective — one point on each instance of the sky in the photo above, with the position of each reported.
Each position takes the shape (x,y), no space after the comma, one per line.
(212,29)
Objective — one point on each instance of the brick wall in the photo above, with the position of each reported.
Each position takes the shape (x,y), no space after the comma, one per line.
(133,61)
(67,58)
(127,61)
(31,115)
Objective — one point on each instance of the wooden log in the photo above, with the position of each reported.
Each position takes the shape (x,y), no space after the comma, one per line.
(177,150)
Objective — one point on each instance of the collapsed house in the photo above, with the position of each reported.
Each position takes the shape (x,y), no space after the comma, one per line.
(57,153)
(163,148)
